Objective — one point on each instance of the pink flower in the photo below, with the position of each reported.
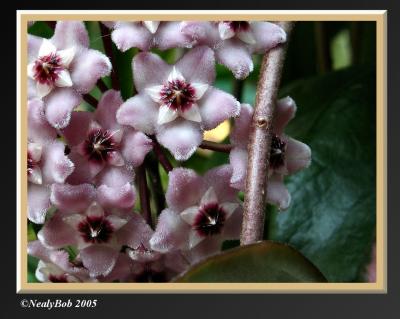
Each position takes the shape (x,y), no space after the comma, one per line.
(101,141)
(93,233)
(54,265)
(46,162)
(146,35)
(201,213)
(234,42)
(177,103)
(287,154)
(62,68)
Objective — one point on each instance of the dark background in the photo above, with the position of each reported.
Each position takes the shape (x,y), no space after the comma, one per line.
(188,305)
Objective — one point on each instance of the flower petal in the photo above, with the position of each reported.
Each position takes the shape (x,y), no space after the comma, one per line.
(99,259)
(238,161)
(43,89)
(135,146)
(209,197)
(128,35)
(247,37)
(46,48)
(198,65)
(277,193)
(107,108)
(233,225)
(56,166)
(170,36)
(149,70)
(72,198)
(208,247)
(284,112)
(87,67)
(56,233)
(216,106)
(63,79)
(82,172)
(140,112)
(155,92)
(219,178)
(59,106)
(67,56)
(152,26)
(116,222)
(241,130)
(191,114)
(39,129)
(34,44)
(166,115)
(267,36)
(77,129)
(200,89)
(298,156)
(180,137)
(189,214)
(195,239)
(171,232)
(38,203)
(225,30)
(234,54)
(135,233)
(185,189)
(116,197)
(95,210)
(69,34)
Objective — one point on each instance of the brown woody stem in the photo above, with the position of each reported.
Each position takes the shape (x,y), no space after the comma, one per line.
(208,145)
(105,34)
(102,86)
(260,141)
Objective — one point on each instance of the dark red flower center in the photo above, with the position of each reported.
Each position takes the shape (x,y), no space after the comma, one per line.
(59,278)
(209,220)
(99,144)
(237,26)
(178,95)
(95,229)
(31,164)
(47,68)
(277,156)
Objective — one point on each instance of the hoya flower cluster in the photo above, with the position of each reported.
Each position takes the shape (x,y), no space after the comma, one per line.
(81,165)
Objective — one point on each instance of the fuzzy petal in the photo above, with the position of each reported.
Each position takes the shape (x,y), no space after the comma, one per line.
(185,189)
(38,203)
(219,178)
(198,65)
(34,44)
(135,146)
(108,105)
(87,67)
(267,36)
(233,225)
(207,248)
(56,166)
(131,35)
(201,32)
(166,115)
(59,105)
(298,156)
(238,161)
(56,233)
(285,111)
(63,79)
(216,106)
(171,232)
(114,177)
(241,130)
(180,137)
(99,259)
(140,112)
(69,34)
(236,57)
(77,128)
(72,198)
(82,173)
(149,70)
(169,36)
(135,233)
(39,129)
(277,193)
(119,197)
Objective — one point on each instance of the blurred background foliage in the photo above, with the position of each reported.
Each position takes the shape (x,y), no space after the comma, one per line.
(330,73)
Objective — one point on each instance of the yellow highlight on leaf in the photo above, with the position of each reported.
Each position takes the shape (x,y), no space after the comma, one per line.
(216,135)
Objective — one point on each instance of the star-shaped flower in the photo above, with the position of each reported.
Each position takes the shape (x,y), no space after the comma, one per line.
(177,103)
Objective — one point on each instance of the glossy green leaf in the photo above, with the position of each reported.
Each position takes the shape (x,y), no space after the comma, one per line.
(262,262)
(332,216)
(32,264)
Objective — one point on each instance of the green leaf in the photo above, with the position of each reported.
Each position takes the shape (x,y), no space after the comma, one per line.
(262,262)
(332,216)
(32,265)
